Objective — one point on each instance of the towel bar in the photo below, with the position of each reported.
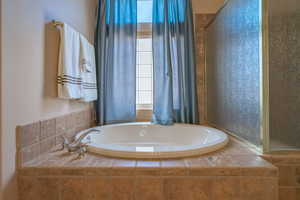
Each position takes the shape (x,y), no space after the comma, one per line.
(57,23)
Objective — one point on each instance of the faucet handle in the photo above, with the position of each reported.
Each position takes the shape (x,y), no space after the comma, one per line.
(82,150)
(65,143)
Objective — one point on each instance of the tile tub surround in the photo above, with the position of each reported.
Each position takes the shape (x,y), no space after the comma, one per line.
(40,137)
(201,21)
(288,164)
(232,173)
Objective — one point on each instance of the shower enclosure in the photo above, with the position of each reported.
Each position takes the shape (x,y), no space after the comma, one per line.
(253,72)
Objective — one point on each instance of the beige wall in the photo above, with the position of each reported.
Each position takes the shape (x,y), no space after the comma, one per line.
(0,99)
(29,52)
(29,62)
(207,6)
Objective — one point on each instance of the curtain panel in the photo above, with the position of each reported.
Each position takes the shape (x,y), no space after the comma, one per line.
(115,43)
(175,96)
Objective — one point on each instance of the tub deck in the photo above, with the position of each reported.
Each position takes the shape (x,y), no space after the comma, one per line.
(235,172)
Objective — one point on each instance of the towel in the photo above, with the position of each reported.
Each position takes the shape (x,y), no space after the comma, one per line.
(69,78)
(88,71)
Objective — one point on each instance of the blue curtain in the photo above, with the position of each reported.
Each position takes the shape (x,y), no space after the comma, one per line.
(115,43)
(175,97)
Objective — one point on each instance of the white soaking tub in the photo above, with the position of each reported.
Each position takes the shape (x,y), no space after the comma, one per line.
(146,140)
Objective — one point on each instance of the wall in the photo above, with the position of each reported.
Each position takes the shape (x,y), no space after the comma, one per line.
(233,70)
(29,61)
(284,73)
(0,100)
(207,6)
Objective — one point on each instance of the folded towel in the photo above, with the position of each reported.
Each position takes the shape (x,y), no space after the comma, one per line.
(69,73)
(88,71)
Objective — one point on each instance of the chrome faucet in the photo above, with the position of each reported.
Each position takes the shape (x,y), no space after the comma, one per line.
(77,145)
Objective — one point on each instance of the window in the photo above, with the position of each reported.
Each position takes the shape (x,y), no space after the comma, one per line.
(144,66)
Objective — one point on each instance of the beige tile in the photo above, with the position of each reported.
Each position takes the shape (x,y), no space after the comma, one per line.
(188,188)
(33,188)
(87,116)
(259,171)
(147,168)
(122,167)
(287,175)
(259,188)
(196,162)
(267,158)
(122,188)
(28,134)
(286,159)
(298,193)
(287,193)
(48,129)
(198,166)
(41,171)
(148,188)
(224,161)
(76,161)
(98,171)
(298,176)
(226,188)
(73,188)
(80,128)
(79,118)
(29,153)
(98,188)
(298,170)
(59,140)
(70,121)
(99,166)
(61,125)
(33,163)
(24,171)
(252,165)
(213,166)
(174,168)
(57,159)
(47,145)
(252,160)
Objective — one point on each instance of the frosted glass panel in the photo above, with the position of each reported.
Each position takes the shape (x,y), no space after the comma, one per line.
(233,70)
(284,68)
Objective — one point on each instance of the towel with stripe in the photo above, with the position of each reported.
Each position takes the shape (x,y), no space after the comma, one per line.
(69,74)
(77,69)
(88,70)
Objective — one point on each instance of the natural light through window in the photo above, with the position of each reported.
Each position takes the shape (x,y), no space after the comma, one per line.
(144,91)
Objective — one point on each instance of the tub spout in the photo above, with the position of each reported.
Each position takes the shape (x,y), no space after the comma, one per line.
(77,145)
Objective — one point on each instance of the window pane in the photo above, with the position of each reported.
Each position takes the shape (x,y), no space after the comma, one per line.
(144,74)
(145,71)
(145,83)
(145,97)
(144,11)
(145,58)
(144,44)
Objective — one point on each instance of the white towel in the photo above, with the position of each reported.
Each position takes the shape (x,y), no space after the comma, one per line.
(69,73)
(88,71)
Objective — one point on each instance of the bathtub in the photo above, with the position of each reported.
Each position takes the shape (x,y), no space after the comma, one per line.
(146,140)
